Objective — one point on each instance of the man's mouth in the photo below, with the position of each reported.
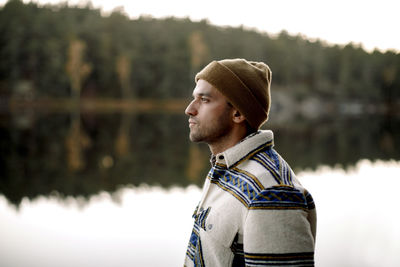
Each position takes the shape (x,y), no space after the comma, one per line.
(191,122)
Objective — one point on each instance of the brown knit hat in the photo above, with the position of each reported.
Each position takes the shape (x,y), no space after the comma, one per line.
(246,84)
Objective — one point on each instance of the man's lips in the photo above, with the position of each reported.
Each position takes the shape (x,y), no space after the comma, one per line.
(192,122)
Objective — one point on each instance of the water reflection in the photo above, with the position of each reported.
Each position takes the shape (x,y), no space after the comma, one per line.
(149,225)
(357,218)
(85,153)
(127,228)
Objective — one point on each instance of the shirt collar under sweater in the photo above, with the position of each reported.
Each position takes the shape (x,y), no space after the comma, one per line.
(244,149)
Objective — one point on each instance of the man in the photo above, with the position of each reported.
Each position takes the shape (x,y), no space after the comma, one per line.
(253,211)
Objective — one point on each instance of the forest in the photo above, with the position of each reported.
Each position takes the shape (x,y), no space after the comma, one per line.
(61,51)
(331,104)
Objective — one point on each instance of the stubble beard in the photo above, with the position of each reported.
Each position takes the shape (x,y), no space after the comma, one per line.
(211,133)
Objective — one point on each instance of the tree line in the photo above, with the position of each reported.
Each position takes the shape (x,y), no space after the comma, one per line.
(62,51)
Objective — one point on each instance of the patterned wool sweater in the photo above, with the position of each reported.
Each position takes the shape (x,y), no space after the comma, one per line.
(253,211)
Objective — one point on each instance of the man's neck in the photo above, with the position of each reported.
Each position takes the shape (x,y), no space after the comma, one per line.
(226,142)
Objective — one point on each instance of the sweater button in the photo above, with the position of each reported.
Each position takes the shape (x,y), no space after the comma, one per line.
(221,157)
(210,226)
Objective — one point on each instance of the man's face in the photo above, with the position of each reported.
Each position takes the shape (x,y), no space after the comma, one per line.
(210,116)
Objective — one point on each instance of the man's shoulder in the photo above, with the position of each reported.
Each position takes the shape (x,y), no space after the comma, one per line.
(278,185)
(270,168)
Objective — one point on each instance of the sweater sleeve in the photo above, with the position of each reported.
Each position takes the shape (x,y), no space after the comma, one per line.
(280,228)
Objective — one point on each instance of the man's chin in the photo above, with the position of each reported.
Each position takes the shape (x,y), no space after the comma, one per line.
(195,138)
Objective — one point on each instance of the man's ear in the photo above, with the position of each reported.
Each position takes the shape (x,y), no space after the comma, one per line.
(238,117)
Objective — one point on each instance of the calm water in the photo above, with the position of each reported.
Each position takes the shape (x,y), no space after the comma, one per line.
(111,189)
(150,226)
(85,154)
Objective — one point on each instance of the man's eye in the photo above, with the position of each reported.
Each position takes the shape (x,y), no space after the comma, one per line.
(203,99)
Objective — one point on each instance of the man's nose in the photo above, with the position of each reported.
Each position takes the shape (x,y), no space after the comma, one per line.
(190,109)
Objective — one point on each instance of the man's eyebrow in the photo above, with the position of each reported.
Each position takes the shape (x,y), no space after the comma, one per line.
(202,94)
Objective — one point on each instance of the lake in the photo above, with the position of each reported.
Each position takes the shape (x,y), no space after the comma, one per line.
(150,225)
(119,188)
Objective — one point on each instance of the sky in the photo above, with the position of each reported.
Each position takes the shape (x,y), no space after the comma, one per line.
(371,24)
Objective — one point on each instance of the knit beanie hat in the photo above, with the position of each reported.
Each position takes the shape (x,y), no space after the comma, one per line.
(246,84)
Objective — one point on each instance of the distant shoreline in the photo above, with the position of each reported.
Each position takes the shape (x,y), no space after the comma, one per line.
(106,105)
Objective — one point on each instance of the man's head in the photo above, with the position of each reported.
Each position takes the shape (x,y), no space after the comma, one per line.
(230,97)
(246,85)
(212,118)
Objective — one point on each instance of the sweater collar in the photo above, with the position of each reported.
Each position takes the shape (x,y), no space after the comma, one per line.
(245,149)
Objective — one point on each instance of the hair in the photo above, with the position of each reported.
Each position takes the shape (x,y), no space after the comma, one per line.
(250,129)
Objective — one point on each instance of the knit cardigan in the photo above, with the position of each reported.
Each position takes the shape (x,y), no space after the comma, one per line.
(253,211)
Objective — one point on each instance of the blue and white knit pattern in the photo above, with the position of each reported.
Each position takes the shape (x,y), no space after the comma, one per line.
(275,164)
(194,251)
(247,188)
(237,182)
